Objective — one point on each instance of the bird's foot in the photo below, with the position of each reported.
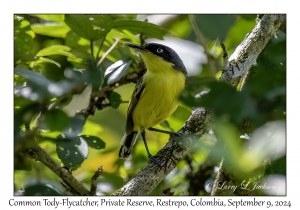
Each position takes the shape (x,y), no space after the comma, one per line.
(154,160)
(176,135)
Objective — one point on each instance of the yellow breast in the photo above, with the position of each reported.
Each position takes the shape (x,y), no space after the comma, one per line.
(159,99)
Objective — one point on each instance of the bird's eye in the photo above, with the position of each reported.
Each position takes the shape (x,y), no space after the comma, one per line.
(159,50)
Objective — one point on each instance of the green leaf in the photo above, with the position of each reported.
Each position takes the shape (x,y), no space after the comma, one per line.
(115,179)
(148,29)
(76,125)
(123,16)
(95,76)
(224,100)
(248,17)
(23,41)
(38,87)
(92,129)
(21,162)
(94,142)
(56,18)
(215,26)
(166,124)
(116,71)
(20,57)
(43,60)
(120,34)
(56,50)
(276,167)
(55,120)
(194,86)
(20,102)
(72,151)
(80,47)
(25,114)
(17,134)
(76,75)
(54,29)
(126,54)
(40,190)
(19,80)
(221,98)
(267,84)
(115,100)
(91,27)
(33,76)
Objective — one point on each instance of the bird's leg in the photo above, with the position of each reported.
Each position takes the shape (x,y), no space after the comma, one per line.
(149,155)
(163,131)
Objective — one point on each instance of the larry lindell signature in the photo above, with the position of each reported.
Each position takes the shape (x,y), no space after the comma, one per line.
(244,186)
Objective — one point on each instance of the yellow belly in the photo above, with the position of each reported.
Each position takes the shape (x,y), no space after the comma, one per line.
(159,99)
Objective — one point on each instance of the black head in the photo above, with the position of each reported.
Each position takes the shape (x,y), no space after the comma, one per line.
(166,53)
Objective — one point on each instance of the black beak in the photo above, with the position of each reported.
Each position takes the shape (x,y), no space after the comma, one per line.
(137,47)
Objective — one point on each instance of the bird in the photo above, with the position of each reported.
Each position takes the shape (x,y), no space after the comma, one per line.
(155,96)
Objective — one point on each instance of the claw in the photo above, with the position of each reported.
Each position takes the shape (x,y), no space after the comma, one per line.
(154,160)
(149,155)
(174,134)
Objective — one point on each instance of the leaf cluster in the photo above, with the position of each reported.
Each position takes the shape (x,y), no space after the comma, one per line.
(57,57)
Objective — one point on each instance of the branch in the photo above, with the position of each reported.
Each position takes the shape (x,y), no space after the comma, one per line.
(92,49)
(108,51)
(100,47)
(241,61)
(100,101)
(245,55)
(211,61)
(38,154)
(170,155)
(94,180)
(200,120)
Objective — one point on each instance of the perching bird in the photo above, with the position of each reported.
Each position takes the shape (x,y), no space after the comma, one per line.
(155,96)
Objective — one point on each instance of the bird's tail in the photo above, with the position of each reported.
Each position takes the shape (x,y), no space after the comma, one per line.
(127,143)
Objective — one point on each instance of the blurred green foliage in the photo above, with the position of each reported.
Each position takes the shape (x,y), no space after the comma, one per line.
(56,57)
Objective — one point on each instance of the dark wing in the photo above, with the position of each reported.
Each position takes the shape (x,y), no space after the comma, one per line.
(136,95)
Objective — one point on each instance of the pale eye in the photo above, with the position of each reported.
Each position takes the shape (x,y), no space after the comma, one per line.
(159,50)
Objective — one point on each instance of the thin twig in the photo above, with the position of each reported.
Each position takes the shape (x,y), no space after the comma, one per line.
(38,119)
(94,180)
(92,48)
(198,33)
(201,40)
(100,47)
(102,94)
(225,57)
(108,51)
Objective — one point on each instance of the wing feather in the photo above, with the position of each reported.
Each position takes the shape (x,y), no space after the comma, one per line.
(135,97)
